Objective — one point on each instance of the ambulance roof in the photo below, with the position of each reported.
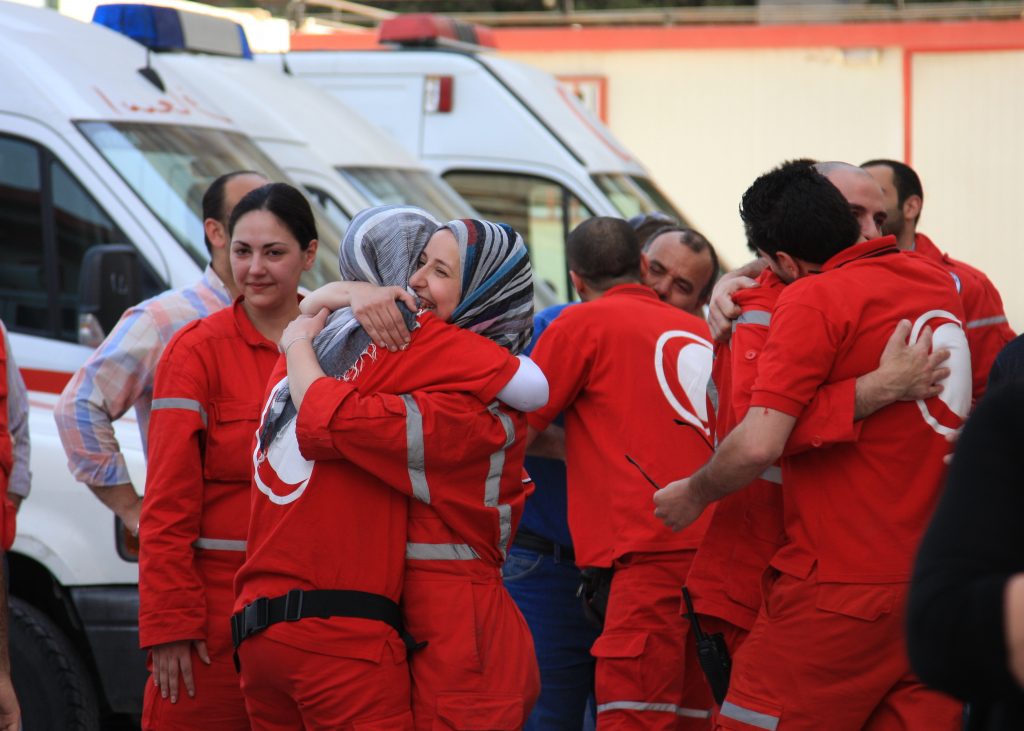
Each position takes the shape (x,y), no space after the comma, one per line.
(266,103)
(57,68)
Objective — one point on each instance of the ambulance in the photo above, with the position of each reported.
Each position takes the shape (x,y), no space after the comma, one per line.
(342,160)
(510,138)
(104,156)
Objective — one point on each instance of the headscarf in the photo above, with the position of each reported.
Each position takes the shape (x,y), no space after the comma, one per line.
(381,246)
(497,283)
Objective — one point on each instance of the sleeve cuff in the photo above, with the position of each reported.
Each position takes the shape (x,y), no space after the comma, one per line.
(490,391)
(778,402)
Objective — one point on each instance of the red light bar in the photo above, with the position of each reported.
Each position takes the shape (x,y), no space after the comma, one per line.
(426,29)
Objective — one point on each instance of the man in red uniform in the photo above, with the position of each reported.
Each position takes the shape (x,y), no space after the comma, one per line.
(746,529)
(987,328)
(826,649)
(634,385)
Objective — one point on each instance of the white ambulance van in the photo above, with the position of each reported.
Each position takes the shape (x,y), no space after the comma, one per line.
(512,140)
(104,156)
(310,134)
(283,114)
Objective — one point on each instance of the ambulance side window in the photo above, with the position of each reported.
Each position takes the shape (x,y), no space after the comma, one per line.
(543,211)
(48,221)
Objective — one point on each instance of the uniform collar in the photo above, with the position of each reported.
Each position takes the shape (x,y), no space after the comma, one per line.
(864,250)
(246,329)
(631,289)
(927,248)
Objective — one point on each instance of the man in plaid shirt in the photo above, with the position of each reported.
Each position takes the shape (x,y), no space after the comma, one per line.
(120,373)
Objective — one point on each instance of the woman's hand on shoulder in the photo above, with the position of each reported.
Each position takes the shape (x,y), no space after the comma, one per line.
(376,310)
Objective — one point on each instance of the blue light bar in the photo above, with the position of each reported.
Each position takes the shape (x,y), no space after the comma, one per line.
(170,29)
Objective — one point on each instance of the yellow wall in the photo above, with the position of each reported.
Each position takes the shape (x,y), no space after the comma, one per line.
(707,122)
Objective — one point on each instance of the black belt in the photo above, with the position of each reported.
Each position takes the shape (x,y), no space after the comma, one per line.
(317,604)
(533,542)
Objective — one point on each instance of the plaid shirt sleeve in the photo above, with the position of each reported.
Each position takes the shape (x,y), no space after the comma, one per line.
(17,421)
(116,377)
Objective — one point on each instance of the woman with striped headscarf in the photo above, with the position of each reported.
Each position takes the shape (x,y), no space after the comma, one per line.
(335,461)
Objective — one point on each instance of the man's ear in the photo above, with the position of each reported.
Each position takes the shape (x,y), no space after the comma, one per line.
(216,233)
(579,284)
(912,208)
(788,265)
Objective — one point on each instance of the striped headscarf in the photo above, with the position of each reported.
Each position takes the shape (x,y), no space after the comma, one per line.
(381,246)
(497,283)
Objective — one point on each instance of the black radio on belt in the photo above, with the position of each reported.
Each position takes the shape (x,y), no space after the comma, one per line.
(712,654)
(594,590)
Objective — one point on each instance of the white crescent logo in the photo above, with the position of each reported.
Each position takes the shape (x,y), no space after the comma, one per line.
(956,387)
(692,372)
(282,474)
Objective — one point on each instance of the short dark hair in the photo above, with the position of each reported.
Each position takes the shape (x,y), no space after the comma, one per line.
(696,242)
(647,223)
(604,251)
(904,179)
(213,200)
(288,204)
(795,209)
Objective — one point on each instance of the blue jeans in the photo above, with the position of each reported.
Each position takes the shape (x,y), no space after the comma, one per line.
(544,588)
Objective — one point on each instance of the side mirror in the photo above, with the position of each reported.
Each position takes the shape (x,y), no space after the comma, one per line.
(109,282)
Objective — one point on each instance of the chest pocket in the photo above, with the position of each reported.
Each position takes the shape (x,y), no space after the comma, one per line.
(229,440)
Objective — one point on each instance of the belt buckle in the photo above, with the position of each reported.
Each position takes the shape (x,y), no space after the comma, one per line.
(293,605)
(256,617)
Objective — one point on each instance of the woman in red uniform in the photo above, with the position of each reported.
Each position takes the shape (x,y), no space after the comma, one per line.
(206,401)
(333,532)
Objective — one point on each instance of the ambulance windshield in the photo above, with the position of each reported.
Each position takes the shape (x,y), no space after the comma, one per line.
(414,187)
(170,167)
(632,196)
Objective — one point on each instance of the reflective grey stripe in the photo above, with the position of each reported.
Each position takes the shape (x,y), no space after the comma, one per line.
(218,544)
(658,707)
(772,474)
(749,717)
(180,403)
(986,321)
(414,449)
(440,552)
(713,394)
(492,488)
(753,317)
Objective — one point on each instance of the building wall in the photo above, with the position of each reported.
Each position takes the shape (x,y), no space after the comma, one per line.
(706,113)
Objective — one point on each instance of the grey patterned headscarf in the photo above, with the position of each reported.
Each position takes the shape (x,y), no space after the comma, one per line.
(497,283)
(381,246)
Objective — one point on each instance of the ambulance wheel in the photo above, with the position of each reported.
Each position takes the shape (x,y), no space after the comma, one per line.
(53,687)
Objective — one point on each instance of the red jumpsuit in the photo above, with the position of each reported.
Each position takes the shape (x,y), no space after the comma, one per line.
(746,529)
(206,402)
(986,325)
(337,525)
(638,366)
(826,650)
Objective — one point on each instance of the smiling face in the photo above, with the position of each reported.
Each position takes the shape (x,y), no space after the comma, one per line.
(267,261)
(438,280)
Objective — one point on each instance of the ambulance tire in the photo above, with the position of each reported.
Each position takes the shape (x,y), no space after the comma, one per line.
(50,679)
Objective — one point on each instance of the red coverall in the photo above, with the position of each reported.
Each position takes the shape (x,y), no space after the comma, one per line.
(342,527)
(206,402)
(747,526)
(8,515)
(826,650)
(986,325)
(637,366)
